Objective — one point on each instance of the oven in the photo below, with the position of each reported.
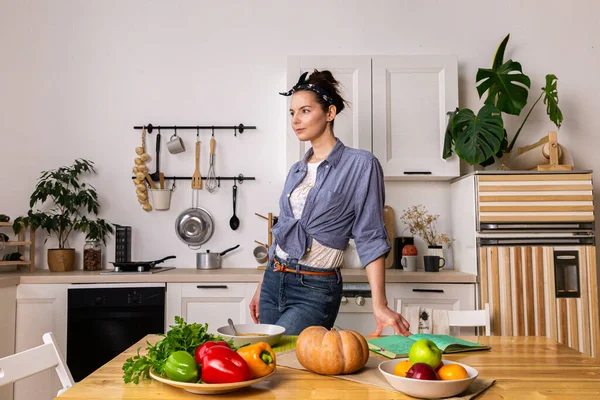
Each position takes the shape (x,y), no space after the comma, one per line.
(356,309)
(105,319)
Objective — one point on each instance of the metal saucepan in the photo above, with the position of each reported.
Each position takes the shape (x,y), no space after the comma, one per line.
(139,265)
(210,260)
(194,227)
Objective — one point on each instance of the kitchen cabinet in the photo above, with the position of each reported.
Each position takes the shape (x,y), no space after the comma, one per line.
(210,303)
(40,309)
(8,308)
(398,110)
(432,295)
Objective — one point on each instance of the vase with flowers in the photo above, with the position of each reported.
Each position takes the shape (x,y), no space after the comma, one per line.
(421,223)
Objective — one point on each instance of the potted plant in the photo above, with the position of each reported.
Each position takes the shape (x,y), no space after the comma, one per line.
(420,223)
(70,201)
(481,139)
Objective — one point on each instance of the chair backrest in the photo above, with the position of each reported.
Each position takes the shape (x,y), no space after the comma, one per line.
(32,361)
(474,318)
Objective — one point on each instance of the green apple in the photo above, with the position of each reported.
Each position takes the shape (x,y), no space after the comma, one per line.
(425,351)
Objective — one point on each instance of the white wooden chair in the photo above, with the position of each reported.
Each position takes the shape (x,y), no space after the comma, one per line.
(476,318)
(30,362)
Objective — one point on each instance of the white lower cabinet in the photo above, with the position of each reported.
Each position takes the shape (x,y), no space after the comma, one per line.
(8,299)
(432,295)
(210,303)
(401,295)
(40,309)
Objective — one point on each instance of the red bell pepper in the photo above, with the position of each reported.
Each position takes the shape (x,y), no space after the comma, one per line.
(200,350)
(221,364)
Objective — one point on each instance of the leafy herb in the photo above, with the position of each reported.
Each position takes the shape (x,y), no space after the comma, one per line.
(181,336)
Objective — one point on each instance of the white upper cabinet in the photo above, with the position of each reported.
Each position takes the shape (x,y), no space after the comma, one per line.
(411,96)
(398,107)
(353,125)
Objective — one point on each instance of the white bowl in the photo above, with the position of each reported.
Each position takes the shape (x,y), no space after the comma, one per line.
(273,333)
(426,389)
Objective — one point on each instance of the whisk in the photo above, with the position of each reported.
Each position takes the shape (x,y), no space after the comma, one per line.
(211,182)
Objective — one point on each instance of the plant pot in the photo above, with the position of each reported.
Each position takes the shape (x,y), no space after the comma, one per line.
(61,260)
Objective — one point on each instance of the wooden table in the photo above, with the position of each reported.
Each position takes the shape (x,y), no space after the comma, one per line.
(525,368)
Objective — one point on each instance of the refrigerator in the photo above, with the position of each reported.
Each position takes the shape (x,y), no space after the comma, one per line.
(530,238)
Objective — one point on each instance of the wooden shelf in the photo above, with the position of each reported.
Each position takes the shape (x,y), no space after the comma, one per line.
(24,246)
(2,263)
(15,243)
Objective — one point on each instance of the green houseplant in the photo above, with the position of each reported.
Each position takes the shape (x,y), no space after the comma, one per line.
(482,139)
(72,202)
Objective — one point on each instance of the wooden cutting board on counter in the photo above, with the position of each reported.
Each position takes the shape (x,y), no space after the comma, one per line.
(389,219)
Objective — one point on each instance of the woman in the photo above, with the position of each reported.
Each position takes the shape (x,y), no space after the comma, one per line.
(335,193)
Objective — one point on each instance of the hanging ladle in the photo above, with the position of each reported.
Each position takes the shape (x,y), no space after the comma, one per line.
(234,222)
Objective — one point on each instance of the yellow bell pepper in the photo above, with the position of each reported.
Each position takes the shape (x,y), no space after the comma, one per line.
(260,359)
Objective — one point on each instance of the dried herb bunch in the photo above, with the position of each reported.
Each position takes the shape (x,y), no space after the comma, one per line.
(422,224)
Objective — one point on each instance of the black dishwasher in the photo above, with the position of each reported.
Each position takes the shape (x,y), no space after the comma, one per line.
(104,321)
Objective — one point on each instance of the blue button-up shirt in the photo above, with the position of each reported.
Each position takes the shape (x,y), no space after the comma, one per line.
(345,203)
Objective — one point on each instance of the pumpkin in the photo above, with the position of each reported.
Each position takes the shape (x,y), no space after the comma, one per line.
(409,250)
(331,352)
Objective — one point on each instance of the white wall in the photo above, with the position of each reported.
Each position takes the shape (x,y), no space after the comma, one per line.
(76,76)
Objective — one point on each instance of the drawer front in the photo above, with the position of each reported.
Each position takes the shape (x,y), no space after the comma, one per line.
(213,289)
(535,198)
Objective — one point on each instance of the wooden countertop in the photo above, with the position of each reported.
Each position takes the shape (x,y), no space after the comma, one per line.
(523,367)
(7,281)
(221,275)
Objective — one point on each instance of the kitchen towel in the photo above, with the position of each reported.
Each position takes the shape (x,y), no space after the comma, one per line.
(427,320)
(370,375)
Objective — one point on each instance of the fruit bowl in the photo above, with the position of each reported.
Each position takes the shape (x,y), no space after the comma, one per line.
(426,389)
(252,333)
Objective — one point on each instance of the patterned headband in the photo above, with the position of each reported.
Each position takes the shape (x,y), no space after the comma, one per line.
(302,85)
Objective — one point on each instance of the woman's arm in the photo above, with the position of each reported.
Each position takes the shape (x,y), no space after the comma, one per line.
(382,313)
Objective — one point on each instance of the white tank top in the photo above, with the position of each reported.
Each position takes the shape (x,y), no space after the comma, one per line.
(319,256)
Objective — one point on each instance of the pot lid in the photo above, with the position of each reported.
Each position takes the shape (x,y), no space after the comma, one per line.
(194,226)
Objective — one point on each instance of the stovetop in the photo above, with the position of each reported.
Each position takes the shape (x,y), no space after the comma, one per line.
(117,271)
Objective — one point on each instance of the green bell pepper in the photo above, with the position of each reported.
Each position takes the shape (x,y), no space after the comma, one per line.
(181,367)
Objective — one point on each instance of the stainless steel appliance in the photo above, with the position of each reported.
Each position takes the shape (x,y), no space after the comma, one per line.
(530,237)
(356,308)
(105,319)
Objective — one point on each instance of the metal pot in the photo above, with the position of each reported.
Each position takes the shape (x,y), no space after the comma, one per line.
(194,227)
(210,260)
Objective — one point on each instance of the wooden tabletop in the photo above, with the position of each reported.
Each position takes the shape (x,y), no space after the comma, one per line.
(523,367)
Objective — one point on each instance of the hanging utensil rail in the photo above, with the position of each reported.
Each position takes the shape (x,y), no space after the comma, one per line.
(240,178)
(236,128)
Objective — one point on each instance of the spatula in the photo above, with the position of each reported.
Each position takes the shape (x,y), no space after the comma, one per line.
(197,178)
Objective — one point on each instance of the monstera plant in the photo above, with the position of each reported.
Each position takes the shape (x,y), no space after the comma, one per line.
(481,138)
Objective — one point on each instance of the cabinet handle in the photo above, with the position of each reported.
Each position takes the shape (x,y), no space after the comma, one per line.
(417,172)
(429,290)
(212,286)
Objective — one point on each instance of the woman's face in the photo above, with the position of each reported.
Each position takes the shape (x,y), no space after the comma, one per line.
(309,121)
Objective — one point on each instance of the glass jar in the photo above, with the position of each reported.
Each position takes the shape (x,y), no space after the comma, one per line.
(92,255)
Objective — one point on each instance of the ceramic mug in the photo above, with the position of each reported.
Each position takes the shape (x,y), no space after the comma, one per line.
(433,263)
(261,254)
(175,145)
(409,263)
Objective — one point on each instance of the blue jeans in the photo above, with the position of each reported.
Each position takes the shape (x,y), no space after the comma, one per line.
(297,301)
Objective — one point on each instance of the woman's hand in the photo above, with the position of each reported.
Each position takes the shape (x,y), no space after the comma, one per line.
(254,304)
(386,317)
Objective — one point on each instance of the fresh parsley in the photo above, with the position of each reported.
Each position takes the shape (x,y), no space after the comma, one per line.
(181,336)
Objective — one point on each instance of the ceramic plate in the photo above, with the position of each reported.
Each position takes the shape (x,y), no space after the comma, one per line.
(208,388)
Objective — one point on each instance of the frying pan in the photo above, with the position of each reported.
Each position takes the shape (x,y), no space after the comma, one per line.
(134,265)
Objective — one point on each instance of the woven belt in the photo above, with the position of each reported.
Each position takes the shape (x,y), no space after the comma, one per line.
(284,268)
